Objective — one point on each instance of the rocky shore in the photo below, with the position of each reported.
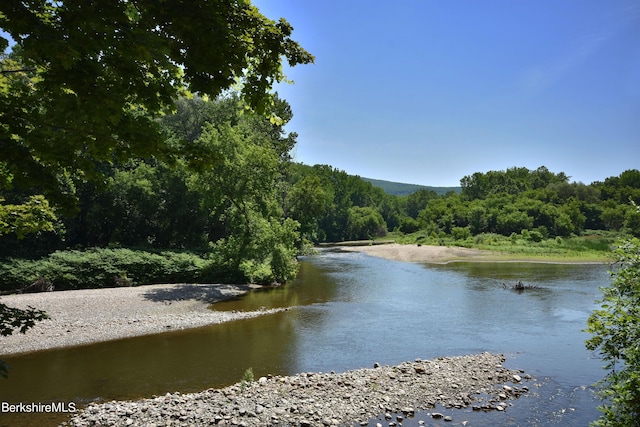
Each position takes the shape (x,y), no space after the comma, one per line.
(92,315)
(378,396)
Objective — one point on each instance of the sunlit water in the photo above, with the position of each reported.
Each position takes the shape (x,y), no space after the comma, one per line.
(349,311)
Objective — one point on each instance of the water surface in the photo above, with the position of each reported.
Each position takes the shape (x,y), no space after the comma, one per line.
(350,311)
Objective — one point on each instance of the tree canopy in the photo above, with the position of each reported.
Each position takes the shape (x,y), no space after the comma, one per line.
(85,80)
(82,91)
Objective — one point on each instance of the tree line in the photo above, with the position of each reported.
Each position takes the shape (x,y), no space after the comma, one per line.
(235,191)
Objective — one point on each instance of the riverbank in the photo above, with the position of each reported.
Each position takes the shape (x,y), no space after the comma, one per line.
(423,253)
(446,254)
(93,315)
(312,399)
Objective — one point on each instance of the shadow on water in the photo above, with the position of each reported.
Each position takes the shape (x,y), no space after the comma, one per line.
(351,311)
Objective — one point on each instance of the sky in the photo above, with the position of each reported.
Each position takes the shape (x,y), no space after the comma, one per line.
(429,91)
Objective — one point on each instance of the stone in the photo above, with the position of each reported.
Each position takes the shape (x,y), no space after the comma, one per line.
(316,399)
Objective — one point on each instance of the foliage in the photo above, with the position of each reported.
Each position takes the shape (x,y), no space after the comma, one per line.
(96,268)
(30,217)
(247,378)
(248,375)
(17,319)
(615,327)
(85,80)
(233,209)
(12,319)
(527,245)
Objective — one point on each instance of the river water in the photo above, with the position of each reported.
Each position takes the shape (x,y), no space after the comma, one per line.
(348,311)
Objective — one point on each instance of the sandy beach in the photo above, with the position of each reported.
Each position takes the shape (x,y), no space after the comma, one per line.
(93,315)
(424,253)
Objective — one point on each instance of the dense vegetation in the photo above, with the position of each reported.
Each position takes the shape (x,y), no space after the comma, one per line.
(616,337)
(246,218)
(139,161)
(81,93)
(222,218)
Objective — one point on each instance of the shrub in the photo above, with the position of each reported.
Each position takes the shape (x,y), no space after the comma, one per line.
(460,233)
(615,330)
(97,268)
(535,236)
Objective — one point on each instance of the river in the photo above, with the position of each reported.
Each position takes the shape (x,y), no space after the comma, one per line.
(347,311)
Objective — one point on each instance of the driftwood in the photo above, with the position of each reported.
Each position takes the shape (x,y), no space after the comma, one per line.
(519,286)
(40,285)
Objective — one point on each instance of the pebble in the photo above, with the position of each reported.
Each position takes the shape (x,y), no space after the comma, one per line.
(317,399)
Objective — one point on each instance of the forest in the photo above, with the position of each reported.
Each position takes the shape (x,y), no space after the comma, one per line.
(247,215)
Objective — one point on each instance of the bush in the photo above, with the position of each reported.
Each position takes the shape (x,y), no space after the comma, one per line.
(98,268)
(409,225)
(535,236)
(615,328)
(460,233)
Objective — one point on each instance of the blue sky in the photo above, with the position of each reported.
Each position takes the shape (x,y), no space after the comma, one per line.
(428,91)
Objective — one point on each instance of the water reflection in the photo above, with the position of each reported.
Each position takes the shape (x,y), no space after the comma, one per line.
(311,286)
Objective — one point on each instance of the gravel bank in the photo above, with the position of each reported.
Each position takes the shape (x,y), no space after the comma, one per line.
(315,399)
(94,315)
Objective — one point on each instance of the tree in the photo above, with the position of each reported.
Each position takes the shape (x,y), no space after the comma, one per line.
(418,200)
(85,80)
(309,199)
(365,223)
(12,319)
(616,336)
(253,238)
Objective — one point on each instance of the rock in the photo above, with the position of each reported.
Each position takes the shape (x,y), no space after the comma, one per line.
(317,399)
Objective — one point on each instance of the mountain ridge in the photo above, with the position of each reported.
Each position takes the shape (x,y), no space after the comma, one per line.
(404,189)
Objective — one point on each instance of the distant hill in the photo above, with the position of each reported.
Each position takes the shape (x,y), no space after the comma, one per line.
(401,189)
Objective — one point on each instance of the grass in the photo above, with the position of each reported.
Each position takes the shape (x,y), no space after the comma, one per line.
(590,247)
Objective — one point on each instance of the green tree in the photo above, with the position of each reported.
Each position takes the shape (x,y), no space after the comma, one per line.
(365,223)
(616,337)
(477,218)
(25,218)
(85,80)
(418,200)
(309,199)
(253,237)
